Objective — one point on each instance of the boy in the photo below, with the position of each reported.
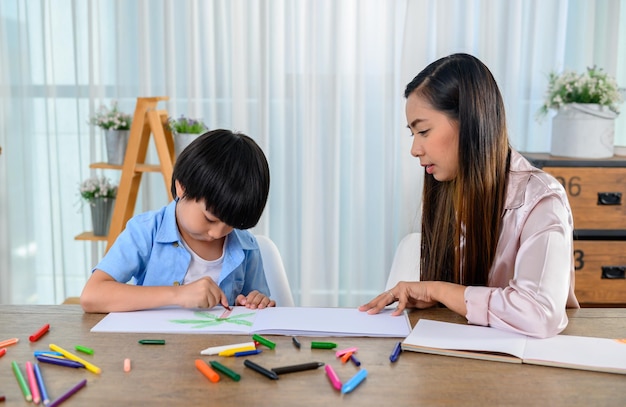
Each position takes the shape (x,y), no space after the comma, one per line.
(194,252)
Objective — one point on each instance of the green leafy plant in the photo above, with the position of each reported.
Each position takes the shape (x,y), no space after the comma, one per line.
(111,118)
(97,187)
(185,125)
(592,86)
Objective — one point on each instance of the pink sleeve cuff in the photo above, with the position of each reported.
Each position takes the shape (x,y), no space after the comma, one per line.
(477,304)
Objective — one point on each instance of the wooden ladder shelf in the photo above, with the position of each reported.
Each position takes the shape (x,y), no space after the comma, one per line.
(146,120)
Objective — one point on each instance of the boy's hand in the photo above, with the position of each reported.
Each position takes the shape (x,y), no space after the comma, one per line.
(202,293)
(254,300)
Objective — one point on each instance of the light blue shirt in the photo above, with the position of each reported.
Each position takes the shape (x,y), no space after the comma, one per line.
(150,251)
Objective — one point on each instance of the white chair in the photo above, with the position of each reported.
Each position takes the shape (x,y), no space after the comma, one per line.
(275,272)
(406,261)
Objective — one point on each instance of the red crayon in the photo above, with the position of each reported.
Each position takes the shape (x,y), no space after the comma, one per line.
(2,352)
(41,332)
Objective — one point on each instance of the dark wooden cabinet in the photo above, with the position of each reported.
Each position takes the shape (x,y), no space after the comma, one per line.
(596,189)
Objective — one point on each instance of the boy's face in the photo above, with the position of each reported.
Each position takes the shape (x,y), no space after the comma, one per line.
(195,222)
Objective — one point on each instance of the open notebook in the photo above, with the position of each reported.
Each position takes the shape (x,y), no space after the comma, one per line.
(309,321)
(478,342)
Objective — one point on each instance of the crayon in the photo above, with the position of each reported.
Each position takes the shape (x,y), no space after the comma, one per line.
(264,341)
(89,366)
(42,386)
(68,393)
(207,371)
(332,376)
(84,349)
(296,342)
(354,381)
(8,342)
(214,350)
(59,361)
(22,382)
(220,367)
(342,352)
(345,357)
(231,352)
(32,383)
(152,341)
(355,360)
(297,368)
(323,345)
(41,332)
(260,369)
(248,352)
(395,354)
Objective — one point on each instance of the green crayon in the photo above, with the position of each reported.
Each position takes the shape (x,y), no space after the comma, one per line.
(220,367)
(323,345)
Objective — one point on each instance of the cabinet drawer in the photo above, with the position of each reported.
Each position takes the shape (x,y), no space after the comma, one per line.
(596,195)
(600,267)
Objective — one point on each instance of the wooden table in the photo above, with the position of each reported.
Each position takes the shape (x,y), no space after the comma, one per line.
(166,375)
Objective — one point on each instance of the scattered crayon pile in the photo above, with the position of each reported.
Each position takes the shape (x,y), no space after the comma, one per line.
(32,384)
(33,388)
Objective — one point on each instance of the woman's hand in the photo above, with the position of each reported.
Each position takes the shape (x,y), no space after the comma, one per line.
(254,300)
(408,294)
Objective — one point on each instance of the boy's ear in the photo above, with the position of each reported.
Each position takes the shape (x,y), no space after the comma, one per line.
(180,190)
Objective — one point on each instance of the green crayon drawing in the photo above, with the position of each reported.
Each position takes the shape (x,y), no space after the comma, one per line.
(206,320)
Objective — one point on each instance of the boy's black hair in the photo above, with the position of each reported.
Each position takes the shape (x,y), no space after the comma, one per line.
(229,172)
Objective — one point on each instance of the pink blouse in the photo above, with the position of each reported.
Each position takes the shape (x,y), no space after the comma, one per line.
(532,278)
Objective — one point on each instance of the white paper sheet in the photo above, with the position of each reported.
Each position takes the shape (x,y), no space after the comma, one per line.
(308,321)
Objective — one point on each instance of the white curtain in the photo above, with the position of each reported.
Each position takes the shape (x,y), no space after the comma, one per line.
(318,84)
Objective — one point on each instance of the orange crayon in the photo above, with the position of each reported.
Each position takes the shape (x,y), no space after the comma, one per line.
(207,371)
(8,342)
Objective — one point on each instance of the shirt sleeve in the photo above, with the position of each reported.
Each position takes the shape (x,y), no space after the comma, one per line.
(535,299)
(254,274)
(129,254)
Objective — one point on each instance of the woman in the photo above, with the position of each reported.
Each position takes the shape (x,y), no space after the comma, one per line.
(496,232)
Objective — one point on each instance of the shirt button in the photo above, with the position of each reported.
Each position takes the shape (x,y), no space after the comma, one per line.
(176,284)
(175,244)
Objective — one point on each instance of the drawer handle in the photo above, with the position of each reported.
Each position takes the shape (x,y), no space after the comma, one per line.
(613,272)
(609,198)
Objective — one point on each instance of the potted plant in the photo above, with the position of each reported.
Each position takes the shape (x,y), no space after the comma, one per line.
(116,127)
(185,130)
(100,194)
(587,105)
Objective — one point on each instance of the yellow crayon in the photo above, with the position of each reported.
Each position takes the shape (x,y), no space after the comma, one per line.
(231,352)
(92,368)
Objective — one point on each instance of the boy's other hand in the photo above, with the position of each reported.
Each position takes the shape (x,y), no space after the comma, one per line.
(254,300)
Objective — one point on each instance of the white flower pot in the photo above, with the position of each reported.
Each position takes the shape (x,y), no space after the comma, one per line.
(583,131)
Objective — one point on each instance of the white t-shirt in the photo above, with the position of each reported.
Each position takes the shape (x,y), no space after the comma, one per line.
(199,267)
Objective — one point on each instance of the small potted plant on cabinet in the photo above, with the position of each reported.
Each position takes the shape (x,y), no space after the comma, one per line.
(586,105)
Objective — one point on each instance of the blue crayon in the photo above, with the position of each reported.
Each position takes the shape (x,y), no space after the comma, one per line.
(354,381)
(42,386)
(248,352)
(396,352)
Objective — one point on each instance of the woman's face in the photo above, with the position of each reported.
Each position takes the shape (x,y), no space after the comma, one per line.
(435,138)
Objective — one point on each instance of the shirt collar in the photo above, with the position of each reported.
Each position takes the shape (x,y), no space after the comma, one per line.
(520,171)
